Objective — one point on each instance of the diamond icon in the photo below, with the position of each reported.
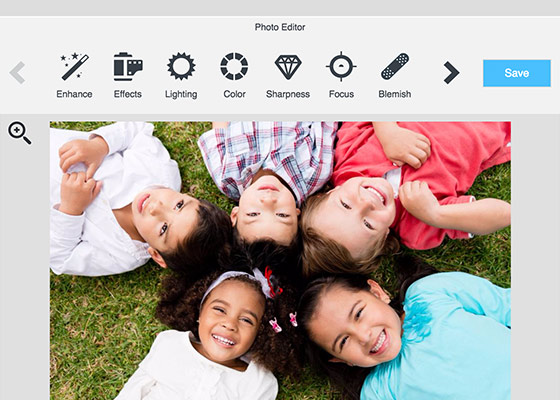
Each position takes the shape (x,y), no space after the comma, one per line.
(288,65)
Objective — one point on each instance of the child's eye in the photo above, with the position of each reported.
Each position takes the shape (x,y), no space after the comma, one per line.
(219,309)
(163,229)
(359,313)
(180,205)
(282,215)
(345,205)
(252,214)
(343,342)
(247,320)
(368,225)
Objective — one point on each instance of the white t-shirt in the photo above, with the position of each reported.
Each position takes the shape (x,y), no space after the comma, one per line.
(174,370)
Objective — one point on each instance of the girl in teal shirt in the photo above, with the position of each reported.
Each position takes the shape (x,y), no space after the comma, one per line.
(450,339)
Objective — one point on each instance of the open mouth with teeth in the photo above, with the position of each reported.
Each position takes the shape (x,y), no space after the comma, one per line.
(379,194)
(223,341)
(381,343)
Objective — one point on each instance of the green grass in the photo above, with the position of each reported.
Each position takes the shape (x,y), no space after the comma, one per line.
(101,328)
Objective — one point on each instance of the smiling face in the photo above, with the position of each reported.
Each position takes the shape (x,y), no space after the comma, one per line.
(267,210)
(356,327)
(357,214)
(163,217)
(229,321)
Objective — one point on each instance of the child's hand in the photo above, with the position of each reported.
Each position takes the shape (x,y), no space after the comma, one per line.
(90,152)
(77,192)
(402,146)
(417,198)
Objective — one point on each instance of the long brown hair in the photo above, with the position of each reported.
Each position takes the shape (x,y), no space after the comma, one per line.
(349,379)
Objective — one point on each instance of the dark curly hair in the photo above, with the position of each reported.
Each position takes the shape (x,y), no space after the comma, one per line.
(180,304)
(284,261)
(349,379)
(207,245)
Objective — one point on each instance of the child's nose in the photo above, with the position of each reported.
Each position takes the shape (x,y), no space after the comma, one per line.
(230,324)
(155,208)
(268,200)
(365,206)
(364,335)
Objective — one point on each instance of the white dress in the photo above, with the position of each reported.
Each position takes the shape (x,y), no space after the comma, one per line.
(174,370)
(94,243)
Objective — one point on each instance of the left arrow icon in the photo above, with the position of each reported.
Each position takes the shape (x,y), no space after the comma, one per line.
(15,72)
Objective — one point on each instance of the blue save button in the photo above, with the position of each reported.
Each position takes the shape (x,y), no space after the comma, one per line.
(517,73)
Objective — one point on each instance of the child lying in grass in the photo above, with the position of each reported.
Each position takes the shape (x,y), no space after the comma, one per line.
(270,168)
(232,334)
(447,335)
(347,228)
(115,202)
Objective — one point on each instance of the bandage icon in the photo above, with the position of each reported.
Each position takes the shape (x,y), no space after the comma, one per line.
(395,66)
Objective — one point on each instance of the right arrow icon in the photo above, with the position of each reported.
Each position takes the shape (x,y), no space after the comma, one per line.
(453,73)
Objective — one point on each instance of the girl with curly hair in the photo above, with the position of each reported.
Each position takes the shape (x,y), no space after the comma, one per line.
(232,330)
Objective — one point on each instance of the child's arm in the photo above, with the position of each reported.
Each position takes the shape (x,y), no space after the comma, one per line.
(475,295)
(69,253)
(102,142)
(120,136)
(265,386)
(479,217)
(402,146)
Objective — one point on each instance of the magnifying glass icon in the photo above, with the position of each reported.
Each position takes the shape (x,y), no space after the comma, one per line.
(17,130)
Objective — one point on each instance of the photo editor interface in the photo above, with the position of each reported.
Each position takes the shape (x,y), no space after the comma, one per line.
(78,316)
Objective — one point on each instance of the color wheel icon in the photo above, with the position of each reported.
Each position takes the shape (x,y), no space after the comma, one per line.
(288,65)
(234,66)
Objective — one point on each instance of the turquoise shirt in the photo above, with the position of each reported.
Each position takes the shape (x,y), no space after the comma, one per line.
(455,343)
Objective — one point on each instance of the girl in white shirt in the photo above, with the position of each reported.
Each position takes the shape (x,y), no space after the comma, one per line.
(115,202)
(231,343)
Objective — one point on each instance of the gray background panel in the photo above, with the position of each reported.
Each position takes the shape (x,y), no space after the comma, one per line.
(24,251)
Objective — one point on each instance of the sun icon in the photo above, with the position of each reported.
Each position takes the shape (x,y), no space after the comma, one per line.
(181,66)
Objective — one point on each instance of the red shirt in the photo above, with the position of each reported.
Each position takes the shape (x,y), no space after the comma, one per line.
(460,151)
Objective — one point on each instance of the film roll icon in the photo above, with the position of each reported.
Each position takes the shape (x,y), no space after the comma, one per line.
(395,66)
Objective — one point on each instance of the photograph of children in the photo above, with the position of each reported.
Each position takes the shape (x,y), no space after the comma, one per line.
(289,260)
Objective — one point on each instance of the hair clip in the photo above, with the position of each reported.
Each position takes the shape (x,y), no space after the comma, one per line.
(275,326)
(293,319)
(268,275)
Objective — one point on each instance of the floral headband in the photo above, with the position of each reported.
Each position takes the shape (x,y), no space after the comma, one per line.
(229,275)
(266,287)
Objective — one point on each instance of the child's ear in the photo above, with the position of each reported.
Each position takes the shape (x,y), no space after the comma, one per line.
(157,257)
(233,215)
(338,360)
(298,212)
(378,291)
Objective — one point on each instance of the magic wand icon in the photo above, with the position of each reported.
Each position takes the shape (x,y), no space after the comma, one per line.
(75,67)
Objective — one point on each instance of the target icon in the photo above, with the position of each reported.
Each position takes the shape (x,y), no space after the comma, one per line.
(234,66)
(341,66)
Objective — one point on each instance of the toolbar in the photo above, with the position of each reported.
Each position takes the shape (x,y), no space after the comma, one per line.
(270,65)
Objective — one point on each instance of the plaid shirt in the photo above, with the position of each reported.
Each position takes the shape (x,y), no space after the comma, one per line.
(301,153)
